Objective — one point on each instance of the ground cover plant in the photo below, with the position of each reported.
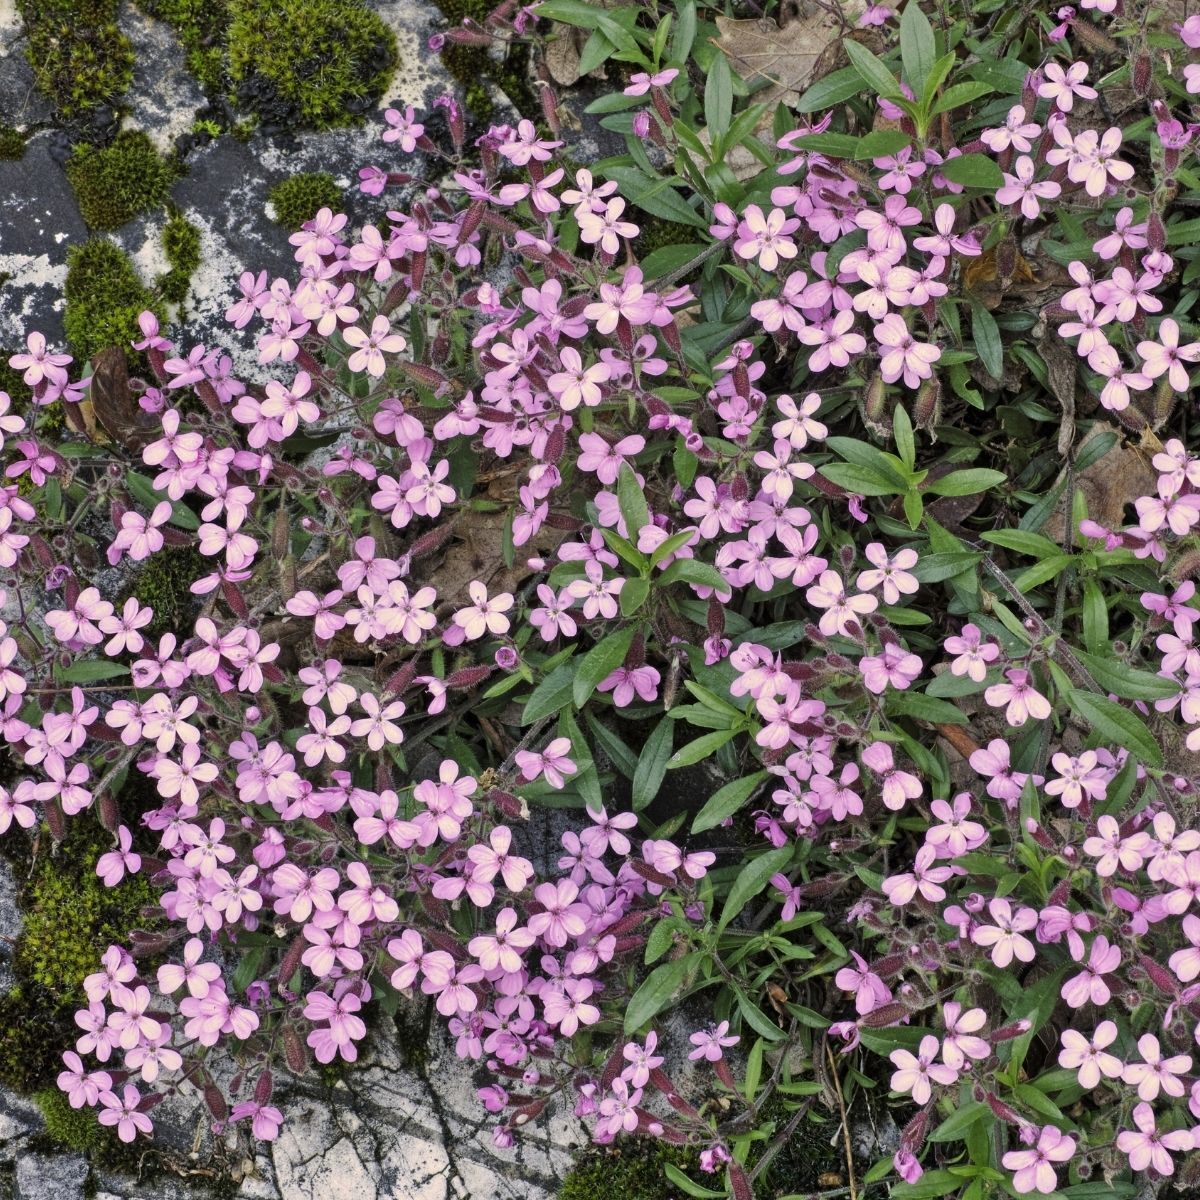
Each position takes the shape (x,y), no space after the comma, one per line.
(873,495)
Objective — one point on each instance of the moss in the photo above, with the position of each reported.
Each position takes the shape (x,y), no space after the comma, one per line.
(301,197)
(113,184)
(37,1029)
(104,297)
(308,62)
(475,69)
(200,26)
(71,1128)
(12,381)
(72,917)
(181,245)
(80,58)
(12,142)
(163,584)
(632,1168)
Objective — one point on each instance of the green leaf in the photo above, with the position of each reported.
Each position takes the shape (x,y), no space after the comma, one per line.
(632,502)
(618,753)
(700,749)
(918,47)
(685,30)
(652,764)
(966,483)
(881,143)
(860,479)
(957,1124)
(143,491)
(986,334)
(551,695)
(922,707)
(751,880)
(666,259)
(833,145)
(633,595)
(92,671)
(1006,75)
(930,1186)
(934,568)
(872,71)
(973,170)
(832,89)
(1124,681)
(692,570)
(600,662)
(658,989)
(862,454)
(718,100)
(1116,725)
(726,801)
(960,94)
(936,77)
(657,196)
(902,431)
(1036,545)
(689,1186)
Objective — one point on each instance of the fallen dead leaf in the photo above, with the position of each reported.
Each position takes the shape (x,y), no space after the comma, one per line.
(1112,482)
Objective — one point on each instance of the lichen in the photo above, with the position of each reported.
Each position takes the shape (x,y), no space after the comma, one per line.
(115,183)
(80,58)
(308,62)
(12,142)
(104,296)
(301,197)
(632,1168)
(181,245)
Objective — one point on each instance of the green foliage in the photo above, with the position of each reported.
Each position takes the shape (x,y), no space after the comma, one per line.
(104,297)
(301,197)
(79,56)
(162,584)
(72,1128)
(181,245)
(72,917)
(308,62)
(113,184)
(12,142)
(632,1169)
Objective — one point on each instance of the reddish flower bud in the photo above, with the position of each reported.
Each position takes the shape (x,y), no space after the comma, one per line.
(468,677)
(294,1052)
(885,1014)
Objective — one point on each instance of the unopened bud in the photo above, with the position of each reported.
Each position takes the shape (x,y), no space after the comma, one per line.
(1143,75)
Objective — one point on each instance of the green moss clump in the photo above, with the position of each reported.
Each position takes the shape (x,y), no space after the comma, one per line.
(181,245)
(80,58)
(37,1029)
(163,584)
(72,917)
(301,197)
(113,184)
(13,382)
(200,26)
(12,142)
(308,62)
(72,1128)
(632,1168)
(104,297)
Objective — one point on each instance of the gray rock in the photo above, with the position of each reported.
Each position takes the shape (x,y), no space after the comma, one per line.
(50,1177)
(21,103)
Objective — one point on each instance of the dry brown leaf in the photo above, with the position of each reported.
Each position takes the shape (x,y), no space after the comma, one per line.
(1112,482)
(562,55)
(758,50)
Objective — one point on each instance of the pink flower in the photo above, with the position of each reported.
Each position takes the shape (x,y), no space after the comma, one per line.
(973,652)
(870,992)
(1034,1169)
(892,574)
(403,128)
(484,616)
(640,82)
(916,1073)
(766,237)
(605,227)
(1080,778)
(552,762)
(1006,936)
(1062,87)
(894,667)
(576,384)
(960,1042)
(1156,1073)
(1088,1057)
(1147,1147)
(1022,699)
(1167,356)
(1023,189)
(122,1111)
(265,1118)
(112,865)
(901,355)
(369,348)
(710,1043)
